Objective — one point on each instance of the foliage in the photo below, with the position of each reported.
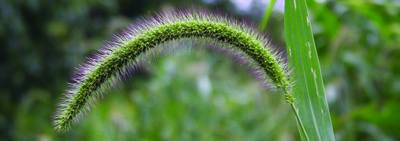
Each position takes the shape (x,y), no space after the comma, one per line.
(42,41)
(310,106)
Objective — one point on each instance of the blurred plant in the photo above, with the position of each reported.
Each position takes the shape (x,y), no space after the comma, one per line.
(267,14)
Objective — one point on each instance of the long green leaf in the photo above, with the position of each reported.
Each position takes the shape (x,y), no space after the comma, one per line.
(310,104)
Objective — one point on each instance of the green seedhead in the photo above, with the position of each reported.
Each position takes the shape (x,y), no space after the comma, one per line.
(132,47)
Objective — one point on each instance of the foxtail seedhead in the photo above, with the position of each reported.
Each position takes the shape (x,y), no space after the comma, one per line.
(156,35)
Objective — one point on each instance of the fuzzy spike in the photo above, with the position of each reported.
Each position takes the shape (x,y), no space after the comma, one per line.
(162,34)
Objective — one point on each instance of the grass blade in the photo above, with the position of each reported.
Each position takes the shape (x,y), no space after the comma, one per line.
(267,13)
(310,104)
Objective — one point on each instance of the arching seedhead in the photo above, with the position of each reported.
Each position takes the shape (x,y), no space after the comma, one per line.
(164,34)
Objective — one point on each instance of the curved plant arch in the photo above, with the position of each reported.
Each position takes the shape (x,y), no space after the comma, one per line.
(154,34)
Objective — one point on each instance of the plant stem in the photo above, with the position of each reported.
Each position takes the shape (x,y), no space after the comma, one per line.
(300,122)
(266,15)
(290,99)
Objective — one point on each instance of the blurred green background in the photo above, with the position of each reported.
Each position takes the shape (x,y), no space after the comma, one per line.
(197,96)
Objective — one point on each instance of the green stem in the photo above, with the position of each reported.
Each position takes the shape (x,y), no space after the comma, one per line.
(299,120)
(290,99)
(267,13)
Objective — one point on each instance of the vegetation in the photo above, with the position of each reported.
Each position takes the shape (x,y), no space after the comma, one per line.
(200,95)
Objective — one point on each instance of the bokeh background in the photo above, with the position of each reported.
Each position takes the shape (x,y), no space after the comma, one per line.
(196,96)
